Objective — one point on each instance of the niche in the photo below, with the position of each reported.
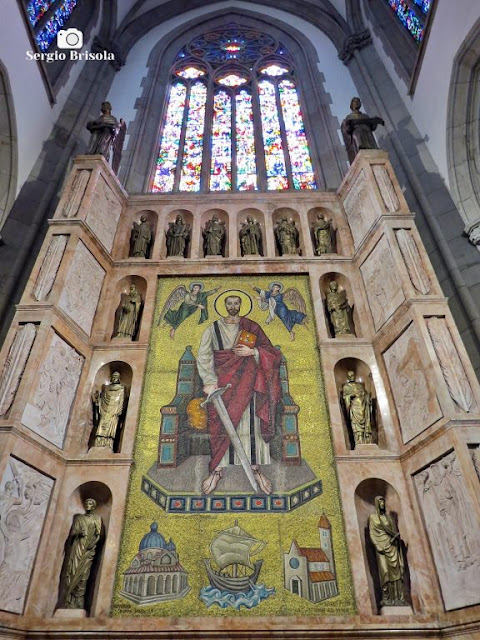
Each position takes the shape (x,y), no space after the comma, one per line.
(109,422)
(340,314)
(214,225)
(287,231)
(75,509)
(178,234)
(323,231)
(358,404)
(129,298)
(365,495)
(250,233)
(142,234)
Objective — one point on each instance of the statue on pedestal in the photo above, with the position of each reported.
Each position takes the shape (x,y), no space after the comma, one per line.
(178,235)
(358,404)
(127,314)
(109,406)
(339,310)
(250,236)
(118,141)
(286,234)
(357,130)
(82,542)
(386,539)
(323,234)
(141,238)
(214,237)
(103,131)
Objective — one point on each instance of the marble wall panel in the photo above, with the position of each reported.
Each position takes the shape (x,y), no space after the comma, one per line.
(49,268)
(415,399)
(24,497)
(49,404)
(104,213)
(387,190)
(15,365)
(76,193)
(382,283)
(453,530)
(80,293)
(360,209)
(411,256)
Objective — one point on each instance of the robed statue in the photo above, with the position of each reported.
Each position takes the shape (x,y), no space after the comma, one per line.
(141,238)
(103,131)
(214,237)
(178,236)
(250,236)
(109,406)
(127,315)
(385,537)
(339,311)
(357,130)
(120,133)
(358,405)
(80,553)
(286,234)
(323,236)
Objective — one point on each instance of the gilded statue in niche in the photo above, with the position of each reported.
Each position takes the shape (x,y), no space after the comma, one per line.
(109,405)
(339,311)
(250,235)
(177,237)
(141,238)
(286,235)
(128,313)
(323,235)
(214,237)
(359,409)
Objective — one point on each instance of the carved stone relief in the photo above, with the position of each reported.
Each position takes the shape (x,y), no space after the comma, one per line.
(453,531)
(450,363)
(413,261)
(48,407)
(104,213)
(15,365)
(386,187)
(382,283)
(416,401)
(80,293)
(75,195)
(48,271)
(475,451)
(359,207)
(24,497)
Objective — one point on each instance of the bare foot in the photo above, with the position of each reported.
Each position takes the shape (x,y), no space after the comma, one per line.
(172,333)
(292,335)
(209,484)
(263,482)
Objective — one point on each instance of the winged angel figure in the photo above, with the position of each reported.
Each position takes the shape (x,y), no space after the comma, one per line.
(273,300)
(190,300)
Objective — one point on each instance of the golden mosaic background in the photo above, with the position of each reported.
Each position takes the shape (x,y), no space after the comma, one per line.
(192,533)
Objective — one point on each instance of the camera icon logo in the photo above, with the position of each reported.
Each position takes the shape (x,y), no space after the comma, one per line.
(70,39)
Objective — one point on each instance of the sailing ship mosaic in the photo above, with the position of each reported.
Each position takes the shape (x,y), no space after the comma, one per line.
(233,506)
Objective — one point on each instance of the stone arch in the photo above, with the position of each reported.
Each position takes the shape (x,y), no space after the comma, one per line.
(8,146)
(463,133)
(322,128)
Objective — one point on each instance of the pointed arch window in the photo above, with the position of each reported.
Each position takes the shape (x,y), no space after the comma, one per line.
(233,119)
(413,15)
(47,17)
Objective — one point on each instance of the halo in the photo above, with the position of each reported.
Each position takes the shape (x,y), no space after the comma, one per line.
(192,284)
(270,286)
(245,309)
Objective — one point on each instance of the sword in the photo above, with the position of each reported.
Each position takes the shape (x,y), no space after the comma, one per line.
(216,399)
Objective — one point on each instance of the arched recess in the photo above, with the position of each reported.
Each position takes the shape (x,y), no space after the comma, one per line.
(8,147)
(463,133)
(322,128)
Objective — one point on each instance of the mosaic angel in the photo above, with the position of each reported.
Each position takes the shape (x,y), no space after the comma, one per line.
(191,300)
(273,300)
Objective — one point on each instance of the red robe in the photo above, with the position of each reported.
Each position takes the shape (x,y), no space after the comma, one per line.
(247,378)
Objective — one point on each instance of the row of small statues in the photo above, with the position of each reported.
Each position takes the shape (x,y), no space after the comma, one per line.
(178,236)
(86,529)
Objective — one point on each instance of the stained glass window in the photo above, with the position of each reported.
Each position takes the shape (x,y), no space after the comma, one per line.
(233,120)
(47,17)
(412,14)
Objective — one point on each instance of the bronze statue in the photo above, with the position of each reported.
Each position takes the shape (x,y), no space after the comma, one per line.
(339,310)
(385,537)
(120,133)
(358,405)
(178,236)
(141,238)
(103,131)
(250,238)
(286,234)
(323,234)
(82,541)
(109,406)
(214,237)
(357,130)
(127,314)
